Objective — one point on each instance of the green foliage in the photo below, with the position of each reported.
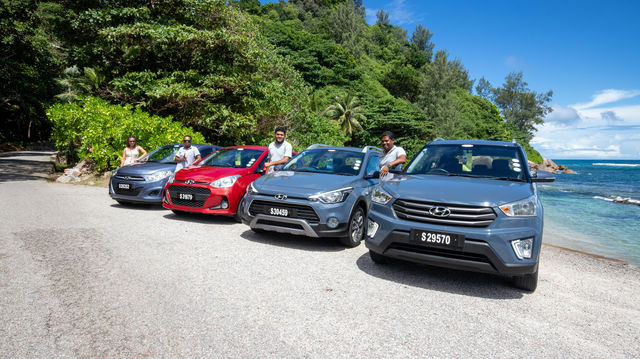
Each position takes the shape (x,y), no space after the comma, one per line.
(347,113)
(97,131)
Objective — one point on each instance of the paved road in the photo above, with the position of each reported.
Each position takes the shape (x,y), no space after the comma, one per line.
(81,276)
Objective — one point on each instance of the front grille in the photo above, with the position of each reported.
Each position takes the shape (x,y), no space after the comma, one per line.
(180,181)
(127,192)
(296,210)
(200,195)
(129,178)
(463,216)
(440,252)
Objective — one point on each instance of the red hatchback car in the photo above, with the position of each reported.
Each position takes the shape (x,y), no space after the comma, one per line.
(217,184)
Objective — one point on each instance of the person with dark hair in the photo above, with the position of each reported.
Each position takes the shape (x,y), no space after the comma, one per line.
(392,157)
(187,154)
(131,153)
(279,151)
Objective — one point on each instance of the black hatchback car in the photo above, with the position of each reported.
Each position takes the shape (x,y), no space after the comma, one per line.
(143,182)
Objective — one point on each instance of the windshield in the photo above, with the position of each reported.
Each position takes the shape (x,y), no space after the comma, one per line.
(333,161)
(164,154)
(233,157)
(469,160)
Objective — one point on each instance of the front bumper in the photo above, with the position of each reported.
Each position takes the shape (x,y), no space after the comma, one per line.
(485,249)
(208,200)
(143,192)
(296,225)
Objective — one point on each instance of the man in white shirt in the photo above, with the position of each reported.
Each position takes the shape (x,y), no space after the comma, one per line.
(186,155)
(392,157)
(279,151)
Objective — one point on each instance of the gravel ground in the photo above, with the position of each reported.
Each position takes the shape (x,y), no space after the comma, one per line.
(81,276)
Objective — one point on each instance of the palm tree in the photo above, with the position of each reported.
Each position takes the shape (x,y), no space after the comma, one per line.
(346,112)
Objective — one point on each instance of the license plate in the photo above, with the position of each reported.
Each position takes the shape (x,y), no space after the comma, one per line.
(438,239)
(282,212)
(185,196)
(124,186)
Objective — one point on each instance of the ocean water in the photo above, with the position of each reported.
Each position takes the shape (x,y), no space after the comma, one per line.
(580,211)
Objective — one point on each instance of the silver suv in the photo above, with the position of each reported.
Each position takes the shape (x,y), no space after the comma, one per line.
(324,191)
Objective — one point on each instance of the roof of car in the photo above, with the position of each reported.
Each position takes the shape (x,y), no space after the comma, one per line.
(250,147)
(473,142)
(353,149)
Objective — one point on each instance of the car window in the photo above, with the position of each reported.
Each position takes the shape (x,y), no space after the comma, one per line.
(164,154)
(233,157)
(206,151)
(469,160)
(372,165)
(334,161)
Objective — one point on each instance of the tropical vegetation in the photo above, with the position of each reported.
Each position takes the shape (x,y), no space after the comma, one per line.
(233,70)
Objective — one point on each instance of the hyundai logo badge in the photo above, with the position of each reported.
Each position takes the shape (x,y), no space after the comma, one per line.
(440,211)
(281,197)
(189,181)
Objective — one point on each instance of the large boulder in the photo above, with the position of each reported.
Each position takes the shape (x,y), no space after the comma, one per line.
(549,165)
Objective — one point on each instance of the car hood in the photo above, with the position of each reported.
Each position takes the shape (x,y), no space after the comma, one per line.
(457,190)
(207,173)
(145,168)
(301,184)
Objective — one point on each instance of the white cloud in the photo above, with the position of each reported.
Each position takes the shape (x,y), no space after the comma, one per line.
(399,13)
(607,96)
(592,131)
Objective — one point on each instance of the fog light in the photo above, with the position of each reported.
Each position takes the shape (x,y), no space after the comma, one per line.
(333,222)
(224,204)
(523,248)
(372,228)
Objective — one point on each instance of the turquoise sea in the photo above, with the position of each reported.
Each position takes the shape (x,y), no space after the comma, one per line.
(581,212)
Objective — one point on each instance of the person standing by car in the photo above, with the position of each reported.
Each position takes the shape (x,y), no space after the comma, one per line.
(279,151)
(392,157)
(187,154)
(131,153)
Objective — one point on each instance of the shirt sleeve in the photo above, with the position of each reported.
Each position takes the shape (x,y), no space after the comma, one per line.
(401,152)
(288,150)
(196,152)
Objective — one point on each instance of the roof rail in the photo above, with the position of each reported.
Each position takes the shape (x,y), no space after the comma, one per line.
(318,145)
(365,149)
(514,141)
(439,139)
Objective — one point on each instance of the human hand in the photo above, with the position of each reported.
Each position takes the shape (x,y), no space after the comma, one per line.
(384,170)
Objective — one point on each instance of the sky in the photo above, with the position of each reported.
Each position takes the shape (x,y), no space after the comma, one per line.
(587,52)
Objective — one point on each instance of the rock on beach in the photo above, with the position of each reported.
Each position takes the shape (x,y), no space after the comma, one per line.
(549,165)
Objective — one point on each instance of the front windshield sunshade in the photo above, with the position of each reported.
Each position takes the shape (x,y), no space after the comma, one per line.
(164,154)
(332,161)
(233,157)
(469,160)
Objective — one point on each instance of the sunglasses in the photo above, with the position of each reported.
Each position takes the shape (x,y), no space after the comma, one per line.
(133,141)
(186,141)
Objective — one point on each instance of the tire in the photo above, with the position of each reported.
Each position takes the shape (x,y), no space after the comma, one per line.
(528,282)
(356,229)
(378,258)
(179,213)
(238,215)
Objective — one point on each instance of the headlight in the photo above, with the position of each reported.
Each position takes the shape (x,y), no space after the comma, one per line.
(336,196)
(251,189)
(157,176)
(225,181)
(171,178)
(526,208)
(380,196)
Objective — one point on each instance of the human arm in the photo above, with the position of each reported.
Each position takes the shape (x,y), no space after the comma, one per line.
(124,156)
(144,153)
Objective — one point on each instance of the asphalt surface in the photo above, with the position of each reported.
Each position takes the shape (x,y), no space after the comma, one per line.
(82,276)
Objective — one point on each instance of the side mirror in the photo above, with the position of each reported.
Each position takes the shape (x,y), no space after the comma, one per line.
(260,171)
(542,176)
(374,174)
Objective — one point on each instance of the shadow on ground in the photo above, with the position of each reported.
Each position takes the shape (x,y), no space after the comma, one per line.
(294,242)
(14,169)
(441,279)
(199,218)
(139,207)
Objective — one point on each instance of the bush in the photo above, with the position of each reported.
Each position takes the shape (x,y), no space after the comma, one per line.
(97,131)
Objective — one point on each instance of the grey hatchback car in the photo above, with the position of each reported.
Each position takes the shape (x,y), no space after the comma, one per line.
(470,205)
(324,191)
(143,182)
